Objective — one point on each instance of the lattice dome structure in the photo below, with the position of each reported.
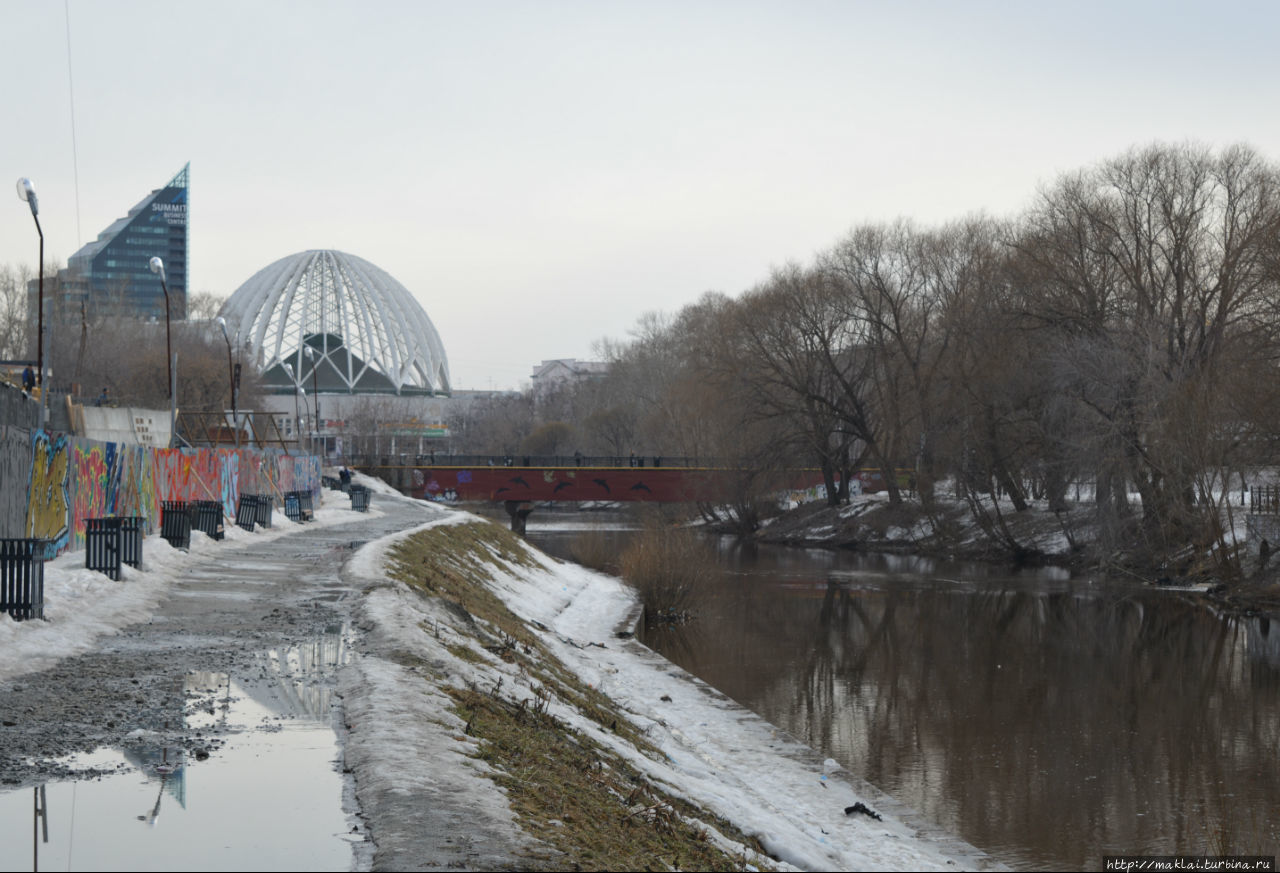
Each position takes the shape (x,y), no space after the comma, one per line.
(337,321)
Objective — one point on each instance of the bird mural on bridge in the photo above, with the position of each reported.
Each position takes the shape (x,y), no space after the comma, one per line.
(640,486)
(603,484)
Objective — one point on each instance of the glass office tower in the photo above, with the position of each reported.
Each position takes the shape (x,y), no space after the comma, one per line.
(112,276)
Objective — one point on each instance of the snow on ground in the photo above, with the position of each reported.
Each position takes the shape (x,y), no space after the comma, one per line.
(405,738)
(716,754)
(82,605)
(406,748)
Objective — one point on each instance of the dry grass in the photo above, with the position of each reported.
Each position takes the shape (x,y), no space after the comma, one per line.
(447,561)
(587,804)
(668,567)
(595,549)
(590,807)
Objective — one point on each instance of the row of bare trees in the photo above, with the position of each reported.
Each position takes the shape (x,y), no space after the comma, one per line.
(90,351)
(1121,332)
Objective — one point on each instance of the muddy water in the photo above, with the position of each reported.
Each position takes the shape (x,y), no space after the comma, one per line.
(244,776)
(1047,720)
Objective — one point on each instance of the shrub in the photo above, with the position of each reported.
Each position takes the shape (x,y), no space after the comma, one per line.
(595,549)
(668,567)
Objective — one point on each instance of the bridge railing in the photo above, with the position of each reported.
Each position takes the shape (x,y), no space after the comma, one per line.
(440,459)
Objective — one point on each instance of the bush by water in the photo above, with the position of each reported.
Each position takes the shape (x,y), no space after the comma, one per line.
(668,567)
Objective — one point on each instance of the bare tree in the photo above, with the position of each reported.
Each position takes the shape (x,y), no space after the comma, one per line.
(780,343)
(13,311)
(1152,268)
(203,306)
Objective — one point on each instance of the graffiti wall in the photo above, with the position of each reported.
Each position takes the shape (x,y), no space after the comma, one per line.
(49,501)
(69,479)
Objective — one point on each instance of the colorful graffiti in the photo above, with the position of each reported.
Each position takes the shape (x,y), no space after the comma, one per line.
(48,504)
(135,485)
(94,486)
(70,480)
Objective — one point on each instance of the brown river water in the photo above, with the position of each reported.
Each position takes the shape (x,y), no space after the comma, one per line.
(1046,719)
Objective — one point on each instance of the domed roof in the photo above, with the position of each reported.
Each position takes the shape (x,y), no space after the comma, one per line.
(364,331)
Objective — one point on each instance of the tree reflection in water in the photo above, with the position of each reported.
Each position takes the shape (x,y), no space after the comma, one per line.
(1046,721)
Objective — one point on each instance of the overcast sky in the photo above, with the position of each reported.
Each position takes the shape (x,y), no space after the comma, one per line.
(540,174)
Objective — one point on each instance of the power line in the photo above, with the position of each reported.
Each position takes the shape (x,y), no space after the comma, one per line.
(71,91)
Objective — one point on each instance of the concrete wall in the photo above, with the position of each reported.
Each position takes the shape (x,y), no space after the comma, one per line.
(127,424)
(54,481)
(15,473)
(17,409)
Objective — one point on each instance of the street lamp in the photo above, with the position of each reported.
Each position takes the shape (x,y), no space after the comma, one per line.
(231,379)
(315,395)
(27,192)
(297,419)
(157,267)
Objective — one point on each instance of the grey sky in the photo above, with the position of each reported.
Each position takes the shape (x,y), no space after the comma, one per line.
(540,174)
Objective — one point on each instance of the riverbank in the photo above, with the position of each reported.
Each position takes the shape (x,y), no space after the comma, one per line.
(1035,537)
(509,672)
(491,711)
(871,522)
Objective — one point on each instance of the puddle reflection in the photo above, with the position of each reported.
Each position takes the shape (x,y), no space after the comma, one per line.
(246,779)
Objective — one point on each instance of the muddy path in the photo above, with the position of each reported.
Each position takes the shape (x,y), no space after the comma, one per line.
(259,630)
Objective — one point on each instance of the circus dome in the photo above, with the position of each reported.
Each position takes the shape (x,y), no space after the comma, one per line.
(356,327)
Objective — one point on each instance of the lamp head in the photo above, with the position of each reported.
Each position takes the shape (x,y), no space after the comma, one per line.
(309,352)
(27,192)
(157,266)
(288,368)
(222,323)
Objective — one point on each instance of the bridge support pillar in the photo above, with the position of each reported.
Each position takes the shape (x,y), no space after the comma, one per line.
(519,511)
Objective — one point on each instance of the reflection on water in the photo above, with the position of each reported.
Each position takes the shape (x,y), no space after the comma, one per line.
(1046,720)
(245,779)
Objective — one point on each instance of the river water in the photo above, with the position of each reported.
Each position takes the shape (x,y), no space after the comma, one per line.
(1046,719)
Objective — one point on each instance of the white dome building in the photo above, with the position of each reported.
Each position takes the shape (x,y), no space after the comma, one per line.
(366,333)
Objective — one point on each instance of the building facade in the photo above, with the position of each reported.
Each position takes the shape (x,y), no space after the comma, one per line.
(551,375)
(112,275)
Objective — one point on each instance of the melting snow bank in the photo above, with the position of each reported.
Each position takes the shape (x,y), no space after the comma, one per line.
(425,774)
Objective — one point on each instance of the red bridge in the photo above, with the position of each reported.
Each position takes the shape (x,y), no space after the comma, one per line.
(659,484)
(535,482)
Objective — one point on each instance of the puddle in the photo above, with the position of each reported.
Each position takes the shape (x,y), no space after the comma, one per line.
(247,779)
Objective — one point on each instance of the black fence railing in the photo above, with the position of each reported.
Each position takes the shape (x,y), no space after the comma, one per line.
(206,516)
(175,523)
(111,542)
(22,578)
(247,512)
(298,506)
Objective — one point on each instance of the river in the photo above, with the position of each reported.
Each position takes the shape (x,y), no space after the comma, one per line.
(1046,719)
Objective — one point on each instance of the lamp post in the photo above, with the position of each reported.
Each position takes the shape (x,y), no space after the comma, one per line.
(157,267)
(231,380)
(297,419)
(27,192)
(315,396)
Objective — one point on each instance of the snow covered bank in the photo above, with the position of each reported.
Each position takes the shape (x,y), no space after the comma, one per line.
(751,786)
